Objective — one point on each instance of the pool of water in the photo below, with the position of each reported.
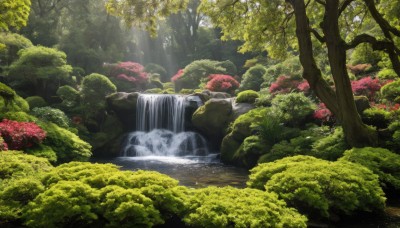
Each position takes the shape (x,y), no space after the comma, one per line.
(193,171)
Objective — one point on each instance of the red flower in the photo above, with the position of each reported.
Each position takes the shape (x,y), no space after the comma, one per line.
(20,135)
(285,84)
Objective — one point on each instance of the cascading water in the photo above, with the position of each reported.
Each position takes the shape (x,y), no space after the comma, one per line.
(160,121)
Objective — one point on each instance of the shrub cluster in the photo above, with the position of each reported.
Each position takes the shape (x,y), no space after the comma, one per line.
(247,96)
(222,83)
(21,135)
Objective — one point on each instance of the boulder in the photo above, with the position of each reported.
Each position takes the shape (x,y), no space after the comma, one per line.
(362,103)
(213,118)
(241,108)
(124,106)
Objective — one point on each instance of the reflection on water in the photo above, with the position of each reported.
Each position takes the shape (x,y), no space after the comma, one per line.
(193,171)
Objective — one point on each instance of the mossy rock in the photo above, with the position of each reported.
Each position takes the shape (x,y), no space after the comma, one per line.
(362,103)
(229,146)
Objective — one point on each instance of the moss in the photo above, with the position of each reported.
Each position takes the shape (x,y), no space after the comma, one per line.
(155,90)
(376,117)
(36,102)
(247,96)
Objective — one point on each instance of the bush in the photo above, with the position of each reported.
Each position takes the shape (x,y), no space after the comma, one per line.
(36,101)
(153,68)
(387,74)
(284,84)
(52,115)
(391,91)
(253,78)
(17,164)
(318,187)
(21,135)
(295,107)
(127,75)
(380,161)
(376,117)
(13,43)
(291,66)
(10,101)
(366,87)
(247,96)
(222,83)
(68,95)
(43,151)
(250,150)
(231,207)
(331,147)
(245,124)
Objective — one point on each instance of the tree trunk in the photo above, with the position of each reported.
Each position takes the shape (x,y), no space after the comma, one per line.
(341,102)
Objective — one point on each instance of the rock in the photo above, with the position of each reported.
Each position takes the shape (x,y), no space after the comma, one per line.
(213,118)
(362,103)
(229,146)
(220,95)
(241,108)
(124,106)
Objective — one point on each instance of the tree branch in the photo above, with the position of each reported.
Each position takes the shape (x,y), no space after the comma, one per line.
(318,36)
(383,24)
(344,5)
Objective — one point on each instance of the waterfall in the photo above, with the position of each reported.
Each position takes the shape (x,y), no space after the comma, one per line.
(160,123)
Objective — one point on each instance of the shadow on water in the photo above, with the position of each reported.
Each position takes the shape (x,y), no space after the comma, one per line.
(192,171)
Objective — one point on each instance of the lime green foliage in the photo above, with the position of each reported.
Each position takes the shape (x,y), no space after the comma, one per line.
(156,69)
(295,107)
(95,88)
(199,70)
(380,161)
(247,96)
(297,145)
(155,90)
(253,78)
(63,204)
(394,143)
(376,117)
(67,145)
(387,74)
(14,14)
(168,85)
(10,101)
(51,115)
(250,150)
(68,95)
(186,91)
(36,67)
(330,147)
(291,67)
(391,91)
(36,102)
(231,207)
(13,42)
(321,188)
(17,164)
(264,99)
(43,151)
(246,123)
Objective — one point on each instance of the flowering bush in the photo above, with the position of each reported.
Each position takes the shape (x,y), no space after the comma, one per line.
(130,72)
(286,84)
(177,75)
(322,113)
(366,86)
(20,135)
(222,83)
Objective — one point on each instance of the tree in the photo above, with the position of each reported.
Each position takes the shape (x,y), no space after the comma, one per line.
(14,13)
(39,71)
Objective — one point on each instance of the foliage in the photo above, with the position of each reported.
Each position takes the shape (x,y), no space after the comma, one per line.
(243,126)
(295,107)
(154,90)
(68,95)
(253,78)
(130,73)
(376,117)
(386,74)
(331,147)
(286,84)
(21,135)
(364,53)
(13,43)
(95,88)
(153,68)
(318,187)
(15,164)
(290,66)
(52,115)
(247,96)
(231,207)
(14,14)
(366,86)
(36,102)
(380,161)
(178,75)
(250,150)
(37,68)
(222,83)
(391,91)
(43,151)
(322,113)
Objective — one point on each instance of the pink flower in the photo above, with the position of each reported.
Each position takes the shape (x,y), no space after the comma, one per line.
(20,135)
(222,83)
(177,75)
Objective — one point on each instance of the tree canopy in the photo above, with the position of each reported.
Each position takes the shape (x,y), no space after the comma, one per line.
(14,13)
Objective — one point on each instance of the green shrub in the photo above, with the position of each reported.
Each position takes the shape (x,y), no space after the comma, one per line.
(387,74)
(36,101)
(168,85)
(250,150)
(52,115)
(155,90)
(330,147)
(10,101)
(68,95)
(156,69)
(43,151)
(291,67)
(247,96)
(391,90)
(295,107)
(264,99)
(16,164)
(232,207)
(364,53)
(245,124)
(376,117)
(380,161)
(67,203)
(229,67)
(13,43)
(320,188)
(186,91)
(253,78)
